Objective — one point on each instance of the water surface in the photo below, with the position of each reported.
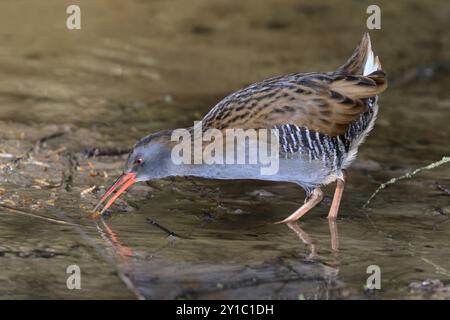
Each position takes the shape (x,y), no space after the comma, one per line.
(140,67)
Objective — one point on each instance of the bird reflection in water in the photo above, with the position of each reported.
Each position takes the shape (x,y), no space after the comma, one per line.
(329,286)
(121,251)
(307,240)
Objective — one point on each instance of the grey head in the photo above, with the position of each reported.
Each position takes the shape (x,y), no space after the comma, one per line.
(150,157)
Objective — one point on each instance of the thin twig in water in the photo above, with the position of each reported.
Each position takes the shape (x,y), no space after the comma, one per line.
(34,215)
(44,139)
(445,190)
(170,233)
(408,175)
(438,268)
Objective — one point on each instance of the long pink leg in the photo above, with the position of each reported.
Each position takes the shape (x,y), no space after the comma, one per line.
(314,199)
(340,185)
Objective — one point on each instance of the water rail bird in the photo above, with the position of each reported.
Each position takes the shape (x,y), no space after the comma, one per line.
(320,120)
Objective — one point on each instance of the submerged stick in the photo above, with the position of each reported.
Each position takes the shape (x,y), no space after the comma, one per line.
(445,190)
(408,175)
(438,268)
(34,215)
(170,233)
(44,139)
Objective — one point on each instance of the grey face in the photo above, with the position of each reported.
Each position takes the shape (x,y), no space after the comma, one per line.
(149,162)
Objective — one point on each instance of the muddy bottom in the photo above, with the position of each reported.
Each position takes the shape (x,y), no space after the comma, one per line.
(140,67)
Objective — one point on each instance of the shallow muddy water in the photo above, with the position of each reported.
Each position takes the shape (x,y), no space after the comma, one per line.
(142,66)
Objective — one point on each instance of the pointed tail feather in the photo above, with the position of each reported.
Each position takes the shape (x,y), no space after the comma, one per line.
(363,61)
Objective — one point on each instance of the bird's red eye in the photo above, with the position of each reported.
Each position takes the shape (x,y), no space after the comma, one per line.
(138,161)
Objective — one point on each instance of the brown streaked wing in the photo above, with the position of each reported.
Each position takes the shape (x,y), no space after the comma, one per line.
(326,103)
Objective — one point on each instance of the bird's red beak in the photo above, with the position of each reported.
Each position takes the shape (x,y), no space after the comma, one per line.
(122,183)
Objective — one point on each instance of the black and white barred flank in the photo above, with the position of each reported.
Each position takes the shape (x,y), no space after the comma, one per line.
(300,141)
